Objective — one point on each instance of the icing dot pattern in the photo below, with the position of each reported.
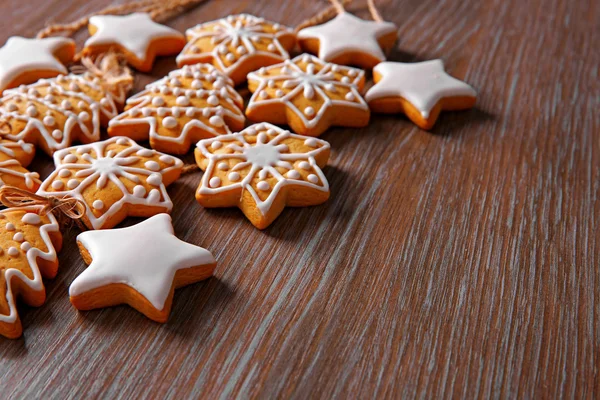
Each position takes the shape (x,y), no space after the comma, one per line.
(118,165)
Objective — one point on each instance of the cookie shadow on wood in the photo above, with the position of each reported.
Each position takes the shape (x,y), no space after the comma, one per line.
(464,123)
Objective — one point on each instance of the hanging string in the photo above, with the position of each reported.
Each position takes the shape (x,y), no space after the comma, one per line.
(374,11)
(322,16)
(65,209)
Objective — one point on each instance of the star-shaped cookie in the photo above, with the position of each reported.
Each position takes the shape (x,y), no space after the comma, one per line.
(115,178)
(309,95)
(419,90)
(349,40)
(261,170)
(135,35)
(14,157)
(24,61)
(140,265)
(237,45)
(192,103)
(29,242)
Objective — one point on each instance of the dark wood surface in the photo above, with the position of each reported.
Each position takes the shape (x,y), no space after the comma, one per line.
(463,262)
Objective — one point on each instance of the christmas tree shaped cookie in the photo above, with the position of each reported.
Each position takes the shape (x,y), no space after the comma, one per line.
(237,45)
(192,103)
(53,113)
(28,245)
(14,157)
(115,178)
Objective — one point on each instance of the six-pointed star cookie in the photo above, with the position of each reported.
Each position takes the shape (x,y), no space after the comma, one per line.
(237,45)
(29,242)
(261,170)
(140,265)
(420,90)
(349,40)
(25,60)
(14,157)
(309,95)
(115,178)
(135,35)
(192,103)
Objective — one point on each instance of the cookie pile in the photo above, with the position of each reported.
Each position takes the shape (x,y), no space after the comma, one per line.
(261,168)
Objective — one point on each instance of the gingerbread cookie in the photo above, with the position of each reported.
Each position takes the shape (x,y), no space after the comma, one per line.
(14,156)
(237,45)
(28,246)
(261,170)
(419,90)
(136,36)
(24,61)
(309,95)
(115,178)
(53,113)
(349,40)
(192,103)
(140,265)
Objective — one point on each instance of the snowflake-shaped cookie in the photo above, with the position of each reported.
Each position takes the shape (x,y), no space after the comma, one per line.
(238,44)
(261,170)
(115,178)
(28,245)
(309,95)
(192,103)
(53,113)
(14,156)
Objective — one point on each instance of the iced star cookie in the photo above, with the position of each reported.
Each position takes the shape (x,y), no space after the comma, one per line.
(54,113)
(261,170)
(140,265)
(419,90)
(136,36)
(115,179)
(14,157)
(349,40)
(28,246)
(237,45)
(24,61)
(309,95)
(192,103)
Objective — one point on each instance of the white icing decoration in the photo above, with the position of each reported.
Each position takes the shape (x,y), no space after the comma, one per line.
(32,256)
(307,82)
(241,32)
(20,55)
(98,205)
(422,84)
(31,219)
(134,32)
(262,158)
(10,226)
(115,166)
(18,237)
(13,167)
(125,256)
(348,33)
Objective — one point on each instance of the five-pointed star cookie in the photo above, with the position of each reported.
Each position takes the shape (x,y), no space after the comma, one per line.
(192,103)
(28,245)
(115,178)
(24,61)
(135,35)
(14,157)
(309,95)
(140,265)
(53,113)
(238,44)
(420,90)
(349,40)
(261,170)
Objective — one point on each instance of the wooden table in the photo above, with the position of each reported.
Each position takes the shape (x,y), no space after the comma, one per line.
(463,262)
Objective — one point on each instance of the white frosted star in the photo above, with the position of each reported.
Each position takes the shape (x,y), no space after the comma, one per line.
(422,84)
(144,257)
(20,56)
(348,33)
(134,32)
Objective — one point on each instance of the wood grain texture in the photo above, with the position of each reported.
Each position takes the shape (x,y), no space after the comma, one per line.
(458,263)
